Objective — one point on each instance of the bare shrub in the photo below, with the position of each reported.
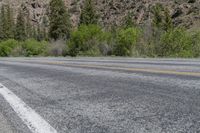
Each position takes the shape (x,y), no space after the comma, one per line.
(57,48)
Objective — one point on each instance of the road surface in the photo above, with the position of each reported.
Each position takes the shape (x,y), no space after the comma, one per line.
(99,95)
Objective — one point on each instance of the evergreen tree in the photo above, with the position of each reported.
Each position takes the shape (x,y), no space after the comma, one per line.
(88,14)
(3,23)
(7,23)
(45,24)
(10,23)
(158,17)
(34,33)
(39,33)
(29,30)
(44,34)
(128,21)
(60,26)
(162,19)
(167,24)
(20,29)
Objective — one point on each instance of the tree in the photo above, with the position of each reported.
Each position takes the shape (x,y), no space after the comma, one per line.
(126,40)
(20,29)
(1,23)
(128,21)
(60,26)
(88,14)
(175,43)
(162,19)
(40,35)
(158,17)
(29,30)
(7,23)
(167,23)
(10,23)
(85,40)
(34,34)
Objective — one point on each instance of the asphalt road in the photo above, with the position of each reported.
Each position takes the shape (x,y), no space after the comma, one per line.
(103,95)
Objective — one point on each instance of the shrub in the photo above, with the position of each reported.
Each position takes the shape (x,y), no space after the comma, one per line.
(4,51)
(126,40)
(86,40)
(6,47)
(57,48)
(34,48)
(175,43)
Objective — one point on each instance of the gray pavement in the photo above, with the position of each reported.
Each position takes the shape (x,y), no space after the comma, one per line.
(104,95)
(4,125)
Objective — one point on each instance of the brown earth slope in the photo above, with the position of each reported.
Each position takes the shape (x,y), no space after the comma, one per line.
(183,12)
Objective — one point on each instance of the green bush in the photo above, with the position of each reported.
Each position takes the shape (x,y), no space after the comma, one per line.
(175,43)
(4,51)
(34,48)
(126,40)
(6,47)
(86,40)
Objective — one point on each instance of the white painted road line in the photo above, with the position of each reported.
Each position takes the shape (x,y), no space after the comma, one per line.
(34,121)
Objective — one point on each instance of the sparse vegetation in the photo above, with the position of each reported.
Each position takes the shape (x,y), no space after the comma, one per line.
(158,38)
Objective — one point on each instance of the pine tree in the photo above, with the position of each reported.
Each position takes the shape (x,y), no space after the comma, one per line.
(59,18)
(45,24)
(29,30)
(20,29)
(88,14)
(34,33)
(128,21)
(158,17)
(44,34)
(167,24)
(7,23)
(39,33)
(3,23)
(10,23)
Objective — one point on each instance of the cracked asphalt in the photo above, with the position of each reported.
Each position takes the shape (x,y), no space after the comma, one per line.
(81,95)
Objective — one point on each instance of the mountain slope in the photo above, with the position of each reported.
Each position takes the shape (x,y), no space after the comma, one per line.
(112,12)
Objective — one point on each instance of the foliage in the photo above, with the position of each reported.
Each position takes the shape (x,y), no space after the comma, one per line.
(128,21)
(157,12)
(159,37)
(167,22)
(60,26)
(87,39)
(6,23)
(126,40)
(161,18)
(10,23)
(196,44)
(29,47)
(29,27)
(7,46)
(175,43)
(20,33)
(33,47)
(88,14)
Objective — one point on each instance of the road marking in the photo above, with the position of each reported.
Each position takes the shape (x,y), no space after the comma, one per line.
(34,121)
(148,70)
(114,67)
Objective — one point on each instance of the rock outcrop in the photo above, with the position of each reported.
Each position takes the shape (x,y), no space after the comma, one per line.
(112,12)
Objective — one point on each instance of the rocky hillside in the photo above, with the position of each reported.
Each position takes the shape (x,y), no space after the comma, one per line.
(183,12)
